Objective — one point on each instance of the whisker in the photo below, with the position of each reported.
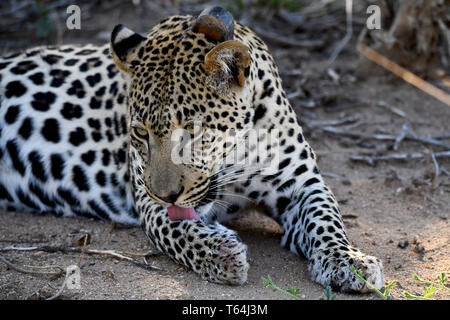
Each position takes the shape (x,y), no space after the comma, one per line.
(236,195)
(235,168)
(222,184)
(225,205)
(222,204)
(234,174)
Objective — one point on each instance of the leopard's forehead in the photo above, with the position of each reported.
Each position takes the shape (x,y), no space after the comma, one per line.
(167,87)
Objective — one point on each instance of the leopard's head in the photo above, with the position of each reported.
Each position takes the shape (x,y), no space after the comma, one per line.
(187,82)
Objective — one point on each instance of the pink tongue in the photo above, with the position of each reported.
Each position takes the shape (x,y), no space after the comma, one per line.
(178,213)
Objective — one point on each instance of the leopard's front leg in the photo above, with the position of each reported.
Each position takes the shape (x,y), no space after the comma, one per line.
(314,227)
(298,197)
(216,253)
(312,223)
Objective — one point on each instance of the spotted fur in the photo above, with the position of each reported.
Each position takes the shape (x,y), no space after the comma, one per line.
(79,137)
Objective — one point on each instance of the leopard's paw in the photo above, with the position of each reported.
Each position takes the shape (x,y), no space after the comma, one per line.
(222,259)
(332,267)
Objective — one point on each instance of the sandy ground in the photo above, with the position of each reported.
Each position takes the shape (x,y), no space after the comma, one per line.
(377,220)
(383,206)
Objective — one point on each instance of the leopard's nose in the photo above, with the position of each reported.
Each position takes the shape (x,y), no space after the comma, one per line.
(172,197)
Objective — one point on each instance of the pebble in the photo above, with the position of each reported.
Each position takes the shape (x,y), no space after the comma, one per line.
(419,248)
(403,244)
(346,182)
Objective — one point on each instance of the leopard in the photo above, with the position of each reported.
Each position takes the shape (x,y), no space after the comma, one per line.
(89,131)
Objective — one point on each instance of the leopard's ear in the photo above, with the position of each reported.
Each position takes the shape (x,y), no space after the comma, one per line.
(227,66)
(124,46)
(215,23)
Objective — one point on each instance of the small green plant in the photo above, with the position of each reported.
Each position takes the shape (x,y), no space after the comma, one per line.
(235,7)
(291,292)
(44,25)
(386,295)
(433,287)
(328,294)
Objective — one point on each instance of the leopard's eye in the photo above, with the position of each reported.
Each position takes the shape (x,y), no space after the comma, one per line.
(141,132)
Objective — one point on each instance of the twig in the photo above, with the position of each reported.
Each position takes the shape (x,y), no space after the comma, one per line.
(392,109)
(395,122)
(436,166)
(348,34)
(371,160)
(401,136)
(66,249)
(85,242)
(445,32)
(122,257)
(335,122)
(22,270)
(294,73)
(406,156)
(332,175)
(442,137)
(294,94)
(333,75)
(416,137)
(61,289)
(143,255)
(356,135)
(384,137)
(404,74)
